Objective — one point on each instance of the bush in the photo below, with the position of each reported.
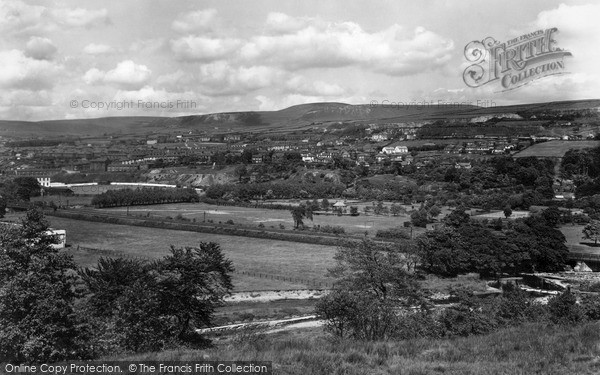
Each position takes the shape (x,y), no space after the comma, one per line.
(563,309)
(463,320)
(393,233)
(590,304)
(332,229)
(230,222)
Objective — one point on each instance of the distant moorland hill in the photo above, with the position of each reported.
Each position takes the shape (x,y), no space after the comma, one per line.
(297,117)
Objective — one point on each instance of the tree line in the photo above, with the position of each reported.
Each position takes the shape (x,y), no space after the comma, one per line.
(272,190)
(139,196)
(377,295)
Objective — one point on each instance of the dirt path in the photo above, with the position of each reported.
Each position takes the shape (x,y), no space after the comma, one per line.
(274,295)
(270,326)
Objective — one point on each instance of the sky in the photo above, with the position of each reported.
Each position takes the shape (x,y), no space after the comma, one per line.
(70,59)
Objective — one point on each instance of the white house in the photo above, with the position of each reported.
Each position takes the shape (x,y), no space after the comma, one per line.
(380,137)
(398,150)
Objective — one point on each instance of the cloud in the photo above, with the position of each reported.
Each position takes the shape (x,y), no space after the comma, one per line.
(200,20)
(25,98)
(19,18)
(81,17)
(149,101)
(22,72)
(98,49)
(578,30)
(303,86)
(126,75)
(220,78)
(281,23)
(201,48)
(40,48)
(302,43)
(175,81)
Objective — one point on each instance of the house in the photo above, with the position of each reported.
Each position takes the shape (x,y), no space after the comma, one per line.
(380,137)
(339,206)
(398,150)
(98,165)
(308,158)
(232,138)
(381,158)
(466,165)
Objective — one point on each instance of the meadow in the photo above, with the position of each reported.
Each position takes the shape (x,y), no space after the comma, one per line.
(555,149)
(299,261)
(574,237)
(527,349)
(252,217)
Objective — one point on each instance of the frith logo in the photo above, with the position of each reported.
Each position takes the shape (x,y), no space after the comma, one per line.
(516,62)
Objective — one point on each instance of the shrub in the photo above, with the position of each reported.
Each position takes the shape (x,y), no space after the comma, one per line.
(392,233)
(563,309)
(594,287)
(332,229)
(462,320)
(230,222)
(590,304)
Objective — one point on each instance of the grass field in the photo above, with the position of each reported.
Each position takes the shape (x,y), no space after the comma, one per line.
(269,218)
(574,236)
(279,258)
(555,149)
(500,214)
(526,349)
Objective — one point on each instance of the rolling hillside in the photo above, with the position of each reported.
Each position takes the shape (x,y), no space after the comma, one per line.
(296,117)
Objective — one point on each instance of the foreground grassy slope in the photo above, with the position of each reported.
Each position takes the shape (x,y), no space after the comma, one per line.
(528,349)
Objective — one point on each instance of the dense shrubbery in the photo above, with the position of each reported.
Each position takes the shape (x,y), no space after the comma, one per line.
(50,311)
(464,246)
(393,233)
(376,297)
(334,229)
(129,197)
(280,190)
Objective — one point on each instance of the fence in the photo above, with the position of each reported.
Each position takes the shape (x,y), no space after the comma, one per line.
(584,256)
(120,254)
(314,283)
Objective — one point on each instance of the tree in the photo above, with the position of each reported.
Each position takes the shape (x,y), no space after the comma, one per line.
(434,211)
(592,231)
(419,218)
(563,309)
(507,212)
(149,306)
(23,188)
(543,244)
(457,218)
(299,213)
(552,215)
(396,209)
(2,206)
(325,204)
(241,171)
(354,211)
(372,280)
(38,290)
